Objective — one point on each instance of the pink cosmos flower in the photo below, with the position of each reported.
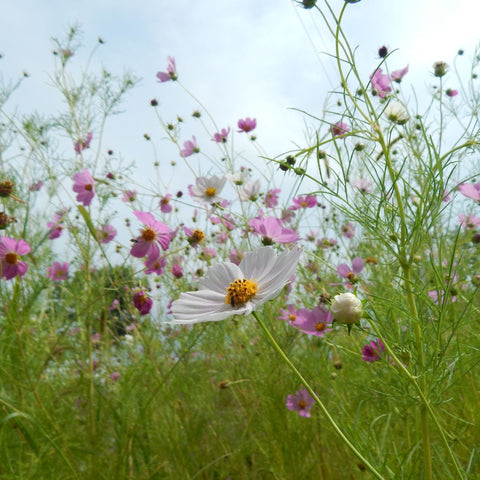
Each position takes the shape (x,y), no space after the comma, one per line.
(208,253)
(36,186)
(372,352)
(302,402)
(380,83)
(177,270)
(363,184)
(470,190)
(446,196)
(451,93)
(350,273)
(170,74)
(142,302)
(55,230)
(338,129)
(82,144)
(189,147)
(154,233)
(309,201)
(235,256)
(164,203)
(84,187)
(221,137)
(313,322)
(438,297)
(469,222)
(247,125)
(155,265)
(11,250)
(272,230)
(348,230)
(58,271)
(397,75)
(271,198)
(289,315)
(106,233)
(129,196)
(115,304)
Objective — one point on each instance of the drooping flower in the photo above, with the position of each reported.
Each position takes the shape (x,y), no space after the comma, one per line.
(339,129)
(153,234)
(313,322)
(236,256)
(36,186)
(84,187)
(346,308)
(250,191)
(271,198)
(221,137)
(372,352)
(170,74)
(129,196)
(363,184)
(11,251)
(380,83)
(247,124)
(470,190)
(189,147)
(106,233)
(469,222)
(348,230)
(155,265)
(397,75)
(207,189)
(82,144)
(142,302)
(58,271)
(309,201)
(301,402)
(451,93)
(164,203)
(397,113)
(228,289)
(272,230)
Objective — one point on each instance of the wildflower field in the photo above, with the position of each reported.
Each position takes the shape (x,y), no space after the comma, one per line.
(309,314)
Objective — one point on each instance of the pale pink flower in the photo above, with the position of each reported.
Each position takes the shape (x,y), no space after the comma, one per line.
(153,234)
(470,190)
(189,147)
(380,83)
(272,230)
(363,184)
(164,203)
(271,198)
(308,201)
(11,251)
(350,273)
(339,129)
(106,233)
(313,322)
(302,402)
(36,186)
(155,265)
(221,137)
(84,187)
(348,230)
(247,125)
(469,222)
(289,315)
(397,75)
(129,196)
(58,271)
(170,74)
(82,144)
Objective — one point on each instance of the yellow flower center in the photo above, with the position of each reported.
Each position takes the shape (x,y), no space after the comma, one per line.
(210,191)
(320,327)
(240,291)
(11,258)
(197,236)
(292,317)
(88,187)
(148,234)
(302,403)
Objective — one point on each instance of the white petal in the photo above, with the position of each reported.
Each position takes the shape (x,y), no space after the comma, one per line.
(219,277)
(257,264)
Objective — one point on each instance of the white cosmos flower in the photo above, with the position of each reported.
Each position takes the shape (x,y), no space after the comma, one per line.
(228,289)
(397,113)
(250,191)
(207,189)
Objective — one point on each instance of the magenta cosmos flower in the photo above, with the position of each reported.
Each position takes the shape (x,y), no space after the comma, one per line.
(308,201)
(380,83)
(338,129)
(397,75)
(301,402)
(313,322)
(272,230)
(170,74)
(247,124)
(153,234)
(82,144)
(84,187)
(164,203)
(58,271)
(451,93)
(470,190)
(10,252)
(106,233)
(221,137)
(271,198)
(288,315)
(350,273)
(348,230)
(189,147)
(372,352)
(142,302)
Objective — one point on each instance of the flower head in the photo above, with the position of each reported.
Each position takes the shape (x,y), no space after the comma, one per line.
(106,233)
(470,190)
(221,137)
(129,196)
(207,189)
(380,83)
(189,147)
(362,184)
(82,144)
(451,93)
(372,352)
(84,187)
(339,129)
(302,402)
(142,302)
(153,233)
(397,113)
(228,289)
(348,230)
(170,74)
(272,230)
(58,271)
(350,273)
(397,75)
(164,203)
(271,197)
(346,308)
(313,322)
(11,251)
(247,125)
(309,201)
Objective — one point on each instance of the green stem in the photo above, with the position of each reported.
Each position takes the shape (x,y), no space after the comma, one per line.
(324,409)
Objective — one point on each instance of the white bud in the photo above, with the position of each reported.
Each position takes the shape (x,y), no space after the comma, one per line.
(346,308)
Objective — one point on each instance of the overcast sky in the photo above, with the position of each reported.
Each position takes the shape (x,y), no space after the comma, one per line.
(256,58)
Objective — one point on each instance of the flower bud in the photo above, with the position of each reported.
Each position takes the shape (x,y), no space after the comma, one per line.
(440,69)
(346,308)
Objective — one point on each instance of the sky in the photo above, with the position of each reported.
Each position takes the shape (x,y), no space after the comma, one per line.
(242,58)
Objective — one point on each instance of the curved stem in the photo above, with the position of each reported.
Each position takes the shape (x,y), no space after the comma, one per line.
(324,409)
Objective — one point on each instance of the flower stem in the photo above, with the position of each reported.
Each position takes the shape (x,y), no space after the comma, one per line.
(310,390)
